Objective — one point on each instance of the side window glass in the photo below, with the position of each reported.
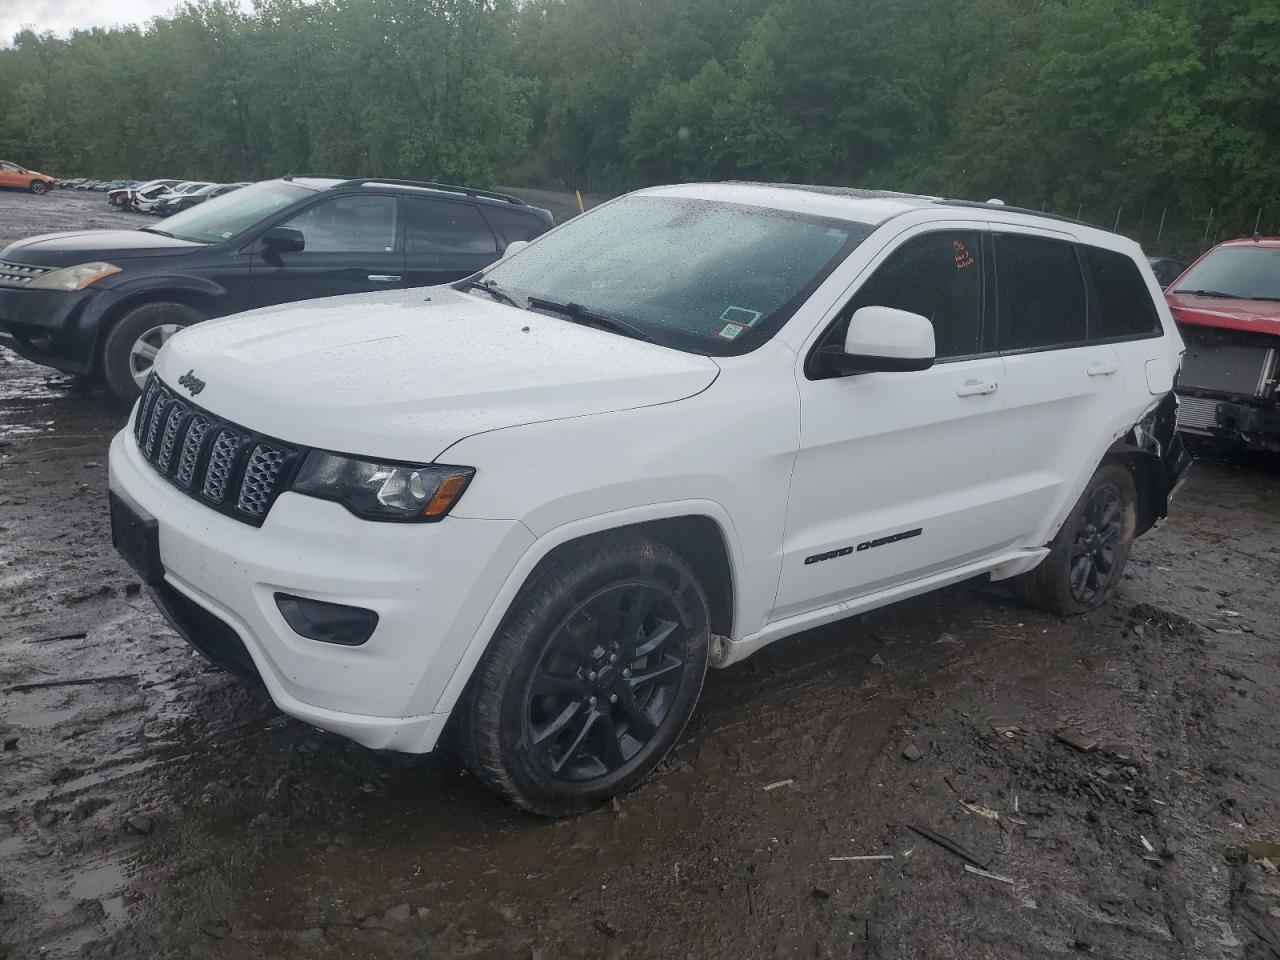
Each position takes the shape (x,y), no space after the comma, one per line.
(1122,302)
(938,276)
(512,225)
(438,226)
(353,224)
(1041,297)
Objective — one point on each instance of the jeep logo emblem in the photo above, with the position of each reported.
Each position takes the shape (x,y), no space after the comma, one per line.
(191,382)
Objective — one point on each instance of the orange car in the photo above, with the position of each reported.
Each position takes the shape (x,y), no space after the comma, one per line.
(16,175)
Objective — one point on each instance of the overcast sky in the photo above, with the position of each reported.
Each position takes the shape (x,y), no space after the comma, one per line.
(63,16)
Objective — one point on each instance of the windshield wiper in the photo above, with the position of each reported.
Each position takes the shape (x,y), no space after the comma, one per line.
(1210,293)
(491,288)
(580,314)
(163,233)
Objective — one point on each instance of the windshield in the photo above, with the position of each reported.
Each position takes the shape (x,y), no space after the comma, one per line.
(222,217)
(1244,273)
(701,276)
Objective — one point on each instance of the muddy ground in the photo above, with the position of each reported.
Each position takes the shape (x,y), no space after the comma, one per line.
(158,809)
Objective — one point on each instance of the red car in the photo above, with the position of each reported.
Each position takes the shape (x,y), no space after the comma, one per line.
(1227,305)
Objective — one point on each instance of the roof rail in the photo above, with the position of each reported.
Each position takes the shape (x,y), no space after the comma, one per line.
(988,205)
(432,185)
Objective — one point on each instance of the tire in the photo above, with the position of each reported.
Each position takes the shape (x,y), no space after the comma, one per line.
(150,324)
(1087,558)
(553,724)
(39,187)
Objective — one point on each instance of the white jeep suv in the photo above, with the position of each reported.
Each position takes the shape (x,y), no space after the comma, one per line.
(700,418)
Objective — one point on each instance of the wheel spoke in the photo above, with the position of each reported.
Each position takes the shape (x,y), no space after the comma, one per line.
(541,734)
(582,639)
(146,351)
(589,721)
(606,736)
(640,602)
(1110,514)
(550,683)
(638,723)
(656,639)
(640,677)
(1080,574)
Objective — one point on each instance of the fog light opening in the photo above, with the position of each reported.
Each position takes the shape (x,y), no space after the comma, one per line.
(327,622)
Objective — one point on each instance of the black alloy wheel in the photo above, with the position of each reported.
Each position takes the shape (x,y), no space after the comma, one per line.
(606,682)
(1087,556)
(1099,536)
(591,677)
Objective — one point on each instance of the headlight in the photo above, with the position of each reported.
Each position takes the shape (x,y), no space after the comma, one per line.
(377,490)
(74,278)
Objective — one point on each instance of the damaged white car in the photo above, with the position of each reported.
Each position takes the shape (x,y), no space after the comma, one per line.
(700,418)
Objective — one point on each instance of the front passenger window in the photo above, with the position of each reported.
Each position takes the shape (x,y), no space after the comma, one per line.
(352,224)
(939,276)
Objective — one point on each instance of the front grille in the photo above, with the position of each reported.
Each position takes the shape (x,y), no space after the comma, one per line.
(223,465)
(19,274)
(259,479)
(1197,413)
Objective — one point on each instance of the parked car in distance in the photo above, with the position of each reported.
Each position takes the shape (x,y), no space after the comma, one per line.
(106,300)
(1166,269)
(1227,305)
(684,425)
(177,190)
(176,203)
(14,176)
(124,196)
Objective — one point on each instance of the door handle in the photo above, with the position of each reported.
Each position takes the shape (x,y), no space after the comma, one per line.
(977,388)
(384,278)
(1103,368)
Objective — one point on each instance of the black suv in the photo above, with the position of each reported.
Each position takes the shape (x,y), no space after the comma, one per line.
(107,300)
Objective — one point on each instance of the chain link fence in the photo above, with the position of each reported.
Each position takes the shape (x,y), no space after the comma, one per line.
(1179,232)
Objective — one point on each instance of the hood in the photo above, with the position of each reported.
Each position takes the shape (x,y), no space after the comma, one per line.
(67,249)
(1252,316)
(404,375)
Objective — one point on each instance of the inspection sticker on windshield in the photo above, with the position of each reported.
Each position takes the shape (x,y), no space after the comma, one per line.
(730,331)
(741,316)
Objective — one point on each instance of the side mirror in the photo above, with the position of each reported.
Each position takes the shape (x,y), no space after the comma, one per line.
(882,339)
(515,246)
(283,240)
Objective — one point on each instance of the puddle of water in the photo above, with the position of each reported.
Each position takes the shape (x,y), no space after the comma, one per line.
(22,380)
(102,881)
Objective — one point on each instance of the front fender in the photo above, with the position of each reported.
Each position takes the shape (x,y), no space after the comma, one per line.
(567,533)
(90,322)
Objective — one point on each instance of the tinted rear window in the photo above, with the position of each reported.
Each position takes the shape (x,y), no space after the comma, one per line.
(512,225)
(439,226)
(1040,292)
(1122,304)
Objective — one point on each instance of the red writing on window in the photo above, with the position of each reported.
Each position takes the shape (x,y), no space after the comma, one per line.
(964,259)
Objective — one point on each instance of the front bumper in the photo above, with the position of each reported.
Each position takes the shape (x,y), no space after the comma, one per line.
(49,326)
(430,584)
